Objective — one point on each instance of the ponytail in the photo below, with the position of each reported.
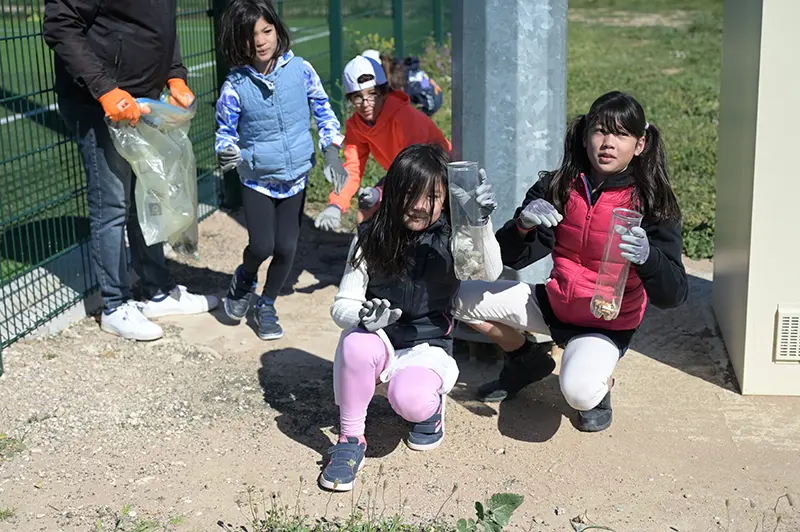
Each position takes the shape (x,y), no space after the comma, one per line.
(653,193)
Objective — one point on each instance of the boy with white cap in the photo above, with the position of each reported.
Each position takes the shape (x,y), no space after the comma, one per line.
(384,123)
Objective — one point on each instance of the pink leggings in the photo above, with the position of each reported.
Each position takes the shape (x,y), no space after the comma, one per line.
(413,391)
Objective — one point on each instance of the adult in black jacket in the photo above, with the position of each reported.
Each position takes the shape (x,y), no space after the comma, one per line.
(107,54)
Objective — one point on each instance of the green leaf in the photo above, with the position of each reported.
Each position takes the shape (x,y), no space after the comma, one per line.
(479,510)
(462,525)
(502,505)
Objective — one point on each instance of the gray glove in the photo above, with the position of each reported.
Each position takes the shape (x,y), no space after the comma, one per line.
(368,197)
(376,314)
(479,205)
(635,246)
(539,212)
(334,170)
(229,158)
(329,219)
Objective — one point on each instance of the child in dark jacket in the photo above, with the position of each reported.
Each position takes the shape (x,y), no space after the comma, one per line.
(395,305)
(612,159)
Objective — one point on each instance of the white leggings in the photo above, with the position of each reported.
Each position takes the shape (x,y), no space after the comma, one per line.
(588,360)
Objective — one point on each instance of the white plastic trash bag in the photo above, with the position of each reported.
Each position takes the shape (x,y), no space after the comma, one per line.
(463,180)
(160,154)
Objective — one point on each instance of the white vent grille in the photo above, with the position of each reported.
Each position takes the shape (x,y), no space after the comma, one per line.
(787,345)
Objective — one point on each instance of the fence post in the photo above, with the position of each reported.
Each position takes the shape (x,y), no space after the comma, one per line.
(231,192)
(438,22)
(397,13)
(336,30)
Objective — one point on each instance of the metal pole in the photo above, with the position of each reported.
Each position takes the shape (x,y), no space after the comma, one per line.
(509,97)
(397,13)
(336,29)
(438,22)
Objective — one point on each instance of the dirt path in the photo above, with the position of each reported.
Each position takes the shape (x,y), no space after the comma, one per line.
(181,427)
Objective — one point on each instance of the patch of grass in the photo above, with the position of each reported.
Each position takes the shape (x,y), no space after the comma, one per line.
(127,521)
(10,447)
(367,514)
(6,514)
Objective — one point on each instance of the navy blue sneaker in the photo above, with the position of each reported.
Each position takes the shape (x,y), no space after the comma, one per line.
(598,418)
(237,300)
(267,321)
(429,434)
(346,460)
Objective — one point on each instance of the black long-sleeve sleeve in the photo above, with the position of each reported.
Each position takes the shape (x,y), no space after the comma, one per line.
(64,28)
(519,251)
(177,70)
(663,274)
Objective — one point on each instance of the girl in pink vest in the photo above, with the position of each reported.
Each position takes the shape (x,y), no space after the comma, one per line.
(612,158)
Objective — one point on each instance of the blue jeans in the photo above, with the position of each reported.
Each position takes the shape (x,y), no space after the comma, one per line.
(112,208)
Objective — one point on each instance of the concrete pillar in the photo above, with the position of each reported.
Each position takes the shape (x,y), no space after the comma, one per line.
(509,95)
(756,286)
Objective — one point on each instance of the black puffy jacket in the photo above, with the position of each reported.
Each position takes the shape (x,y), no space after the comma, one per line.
(426,295)
(104,44)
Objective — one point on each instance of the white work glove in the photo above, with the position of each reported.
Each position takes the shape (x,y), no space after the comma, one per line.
(539,212)
(229,158)
(480,204)
(376,314)
(635,246)
(368,197)
(334,170)
(329,219)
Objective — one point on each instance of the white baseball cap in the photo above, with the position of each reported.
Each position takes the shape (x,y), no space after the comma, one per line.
(358,67)
(372,54)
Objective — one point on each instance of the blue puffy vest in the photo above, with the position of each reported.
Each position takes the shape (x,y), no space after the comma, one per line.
(274,123)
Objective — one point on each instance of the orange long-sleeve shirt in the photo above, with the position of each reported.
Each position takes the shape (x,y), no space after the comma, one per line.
(398,126)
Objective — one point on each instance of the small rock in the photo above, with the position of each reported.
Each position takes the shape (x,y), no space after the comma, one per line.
(619,508)
(687,495)
(500,451)
(559,510)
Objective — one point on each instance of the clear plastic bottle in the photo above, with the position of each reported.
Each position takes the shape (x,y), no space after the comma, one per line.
(463,181)
(613,274)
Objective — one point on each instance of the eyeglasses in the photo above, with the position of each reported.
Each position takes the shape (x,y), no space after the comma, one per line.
(359,99)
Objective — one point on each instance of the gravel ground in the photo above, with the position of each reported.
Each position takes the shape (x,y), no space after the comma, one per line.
(183,427)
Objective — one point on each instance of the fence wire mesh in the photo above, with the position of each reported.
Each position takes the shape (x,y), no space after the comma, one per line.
(44,224)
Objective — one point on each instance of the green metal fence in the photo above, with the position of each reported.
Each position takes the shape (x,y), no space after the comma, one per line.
(44,263)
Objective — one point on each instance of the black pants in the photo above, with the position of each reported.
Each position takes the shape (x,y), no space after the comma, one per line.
(273,226)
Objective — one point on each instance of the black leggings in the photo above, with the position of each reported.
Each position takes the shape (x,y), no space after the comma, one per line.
(273,226)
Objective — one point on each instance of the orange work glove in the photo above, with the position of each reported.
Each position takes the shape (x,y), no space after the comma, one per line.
(179,93)
(120,106)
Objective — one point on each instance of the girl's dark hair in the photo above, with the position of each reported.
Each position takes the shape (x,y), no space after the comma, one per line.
(617,113)
(384,241)
(238,25)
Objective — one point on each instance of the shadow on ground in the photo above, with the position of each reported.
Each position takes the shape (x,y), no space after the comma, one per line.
(299,386)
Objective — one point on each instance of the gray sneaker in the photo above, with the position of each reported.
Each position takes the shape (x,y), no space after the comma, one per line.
(237,300)
(267,321)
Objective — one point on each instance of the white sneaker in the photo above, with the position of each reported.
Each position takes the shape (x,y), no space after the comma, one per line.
(128,322)
(179,301)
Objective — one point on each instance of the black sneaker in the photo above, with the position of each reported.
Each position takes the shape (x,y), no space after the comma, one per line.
(532,363)
(598,418)
(267,321)
(237,300)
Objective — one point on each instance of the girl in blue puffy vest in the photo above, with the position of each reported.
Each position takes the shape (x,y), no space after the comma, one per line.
(263,121)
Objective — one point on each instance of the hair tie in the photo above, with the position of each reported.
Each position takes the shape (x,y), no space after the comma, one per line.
(646,126)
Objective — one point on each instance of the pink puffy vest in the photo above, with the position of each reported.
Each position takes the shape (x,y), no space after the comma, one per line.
(577,255)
